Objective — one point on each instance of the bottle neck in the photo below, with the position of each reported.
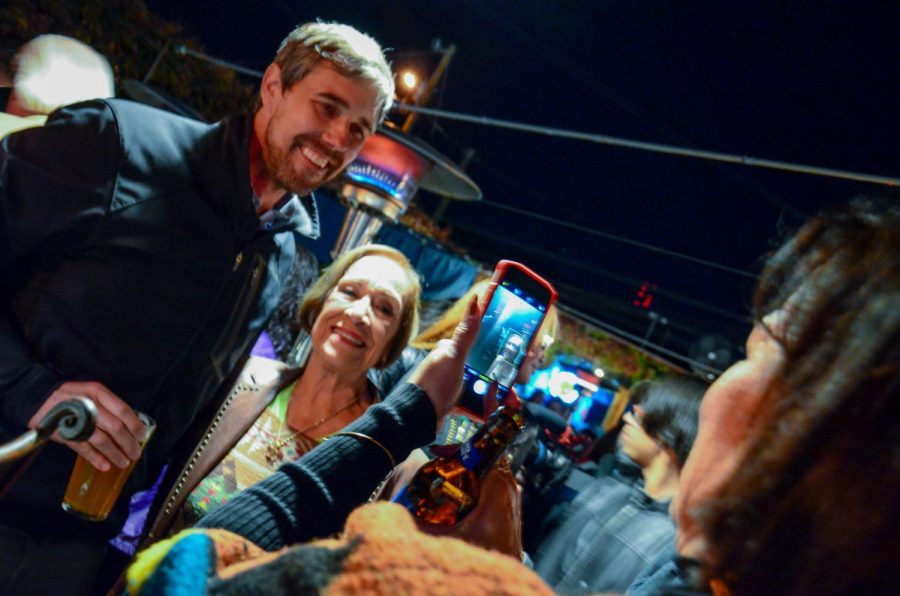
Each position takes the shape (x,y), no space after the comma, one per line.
(479,453)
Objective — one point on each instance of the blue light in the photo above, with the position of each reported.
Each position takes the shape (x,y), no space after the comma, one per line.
(367,174)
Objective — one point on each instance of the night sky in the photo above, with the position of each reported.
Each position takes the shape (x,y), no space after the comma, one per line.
(813,83)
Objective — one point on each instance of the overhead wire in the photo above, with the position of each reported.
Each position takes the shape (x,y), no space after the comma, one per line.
(635,340)
(591,81)
(614,237)
(619,278)
(734,158)
(622,239)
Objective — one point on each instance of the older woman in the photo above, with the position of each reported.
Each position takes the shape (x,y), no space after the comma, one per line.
(359,314)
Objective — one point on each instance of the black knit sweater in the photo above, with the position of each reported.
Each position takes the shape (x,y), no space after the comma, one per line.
(312,497)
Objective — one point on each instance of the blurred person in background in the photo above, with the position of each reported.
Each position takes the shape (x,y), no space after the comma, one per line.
(49,72)
(618,523)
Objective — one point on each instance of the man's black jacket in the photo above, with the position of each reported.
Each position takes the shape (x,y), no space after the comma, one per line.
(130,254)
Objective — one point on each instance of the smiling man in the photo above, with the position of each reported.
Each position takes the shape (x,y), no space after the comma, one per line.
(307,134)
(141,254)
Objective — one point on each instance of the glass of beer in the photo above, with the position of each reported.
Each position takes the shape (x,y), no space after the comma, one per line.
(91,493)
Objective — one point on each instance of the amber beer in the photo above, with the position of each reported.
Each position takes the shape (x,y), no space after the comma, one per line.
(446,489)
(91,493)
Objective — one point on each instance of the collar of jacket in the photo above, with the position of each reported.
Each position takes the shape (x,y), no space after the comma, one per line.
(224,169)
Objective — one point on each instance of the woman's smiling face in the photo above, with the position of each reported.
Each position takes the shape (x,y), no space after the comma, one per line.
(361,315)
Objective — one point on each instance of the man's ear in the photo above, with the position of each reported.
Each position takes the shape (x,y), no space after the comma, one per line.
(270,89)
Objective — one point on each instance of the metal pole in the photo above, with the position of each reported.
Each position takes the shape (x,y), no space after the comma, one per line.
(654,319)
(438,214)
(156,60)
(432,83)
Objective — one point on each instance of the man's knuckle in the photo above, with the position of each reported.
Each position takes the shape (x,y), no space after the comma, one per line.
(100,440)
(115,426)
(122,410)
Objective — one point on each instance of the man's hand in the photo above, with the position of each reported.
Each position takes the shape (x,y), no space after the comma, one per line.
(119,430)
(440,373)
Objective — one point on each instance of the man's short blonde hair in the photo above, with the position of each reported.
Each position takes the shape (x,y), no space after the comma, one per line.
(350,52)
(54,70)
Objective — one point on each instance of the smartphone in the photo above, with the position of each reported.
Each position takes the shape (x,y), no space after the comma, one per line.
(517,301)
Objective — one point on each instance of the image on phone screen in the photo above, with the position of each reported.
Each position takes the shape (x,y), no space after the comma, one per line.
(509,321)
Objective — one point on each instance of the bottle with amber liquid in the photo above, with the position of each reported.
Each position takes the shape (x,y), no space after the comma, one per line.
(446,489)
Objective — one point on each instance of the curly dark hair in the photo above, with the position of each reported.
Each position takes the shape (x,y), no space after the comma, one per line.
(813,508)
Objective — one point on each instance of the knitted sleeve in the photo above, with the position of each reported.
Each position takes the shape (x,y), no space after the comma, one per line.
(312,497)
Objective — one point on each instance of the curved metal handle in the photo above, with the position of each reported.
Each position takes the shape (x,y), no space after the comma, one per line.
(75,419)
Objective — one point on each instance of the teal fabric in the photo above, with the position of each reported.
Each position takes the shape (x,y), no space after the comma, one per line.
(184,570)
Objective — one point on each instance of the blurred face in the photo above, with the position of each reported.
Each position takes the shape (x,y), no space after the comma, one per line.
(634,442)
(361,315)
(533,360)
(315,128)
(725,415)
(511,349)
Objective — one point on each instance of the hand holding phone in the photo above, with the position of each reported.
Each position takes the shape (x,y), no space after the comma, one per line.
(514,307)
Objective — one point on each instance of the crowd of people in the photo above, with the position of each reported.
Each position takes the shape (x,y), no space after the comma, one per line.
(143,255)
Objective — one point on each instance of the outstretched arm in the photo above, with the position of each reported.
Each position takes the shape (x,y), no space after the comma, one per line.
(312,497)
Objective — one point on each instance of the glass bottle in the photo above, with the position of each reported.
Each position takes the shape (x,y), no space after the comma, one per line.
(446,489)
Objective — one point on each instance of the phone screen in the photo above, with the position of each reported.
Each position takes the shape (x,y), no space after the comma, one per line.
(509,322)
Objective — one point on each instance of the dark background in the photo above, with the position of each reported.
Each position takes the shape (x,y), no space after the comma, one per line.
(814,83)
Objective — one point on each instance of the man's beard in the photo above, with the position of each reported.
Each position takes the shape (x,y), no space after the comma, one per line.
(280,169)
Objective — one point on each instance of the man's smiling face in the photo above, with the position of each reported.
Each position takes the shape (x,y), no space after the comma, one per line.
(315,128)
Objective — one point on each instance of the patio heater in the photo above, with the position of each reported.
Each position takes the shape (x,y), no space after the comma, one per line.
(381,182)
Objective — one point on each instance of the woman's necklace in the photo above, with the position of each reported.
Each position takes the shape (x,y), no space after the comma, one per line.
(276,444)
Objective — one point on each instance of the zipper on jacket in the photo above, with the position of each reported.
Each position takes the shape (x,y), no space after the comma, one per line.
(238,318)
(195,456)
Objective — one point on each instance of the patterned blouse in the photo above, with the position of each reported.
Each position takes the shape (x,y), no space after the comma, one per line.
(246,463)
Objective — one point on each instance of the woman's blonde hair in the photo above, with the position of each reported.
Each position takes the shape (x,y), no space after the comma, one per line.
(443,327)
(409,316)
